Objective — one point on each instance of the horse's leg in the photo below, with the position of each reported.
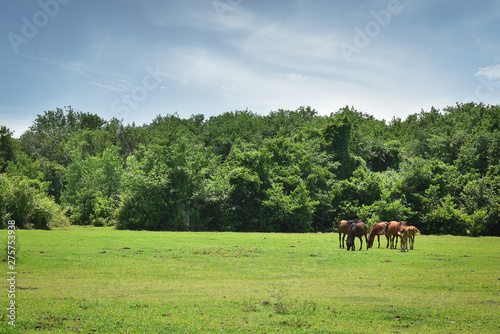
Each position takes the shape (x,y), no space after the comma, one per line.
(343,240)
(388,239)
(361,241)
(366,239)
(378,236)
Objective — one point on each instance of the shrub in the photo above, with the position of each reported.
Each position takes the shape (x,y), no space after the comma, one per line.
(446,219)
(47,214)
(24,200)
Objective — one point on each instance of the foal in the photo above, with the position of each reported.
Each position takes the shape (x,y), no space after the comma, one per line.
(412,231)
(403,234)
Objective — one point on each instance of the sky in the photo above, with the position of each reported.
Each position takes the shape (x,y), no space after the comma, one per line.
(136,59)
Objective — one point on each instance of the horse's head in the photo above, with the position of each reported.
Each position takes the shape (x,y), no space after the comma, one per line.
(371,238)
(370,242)
(350,243)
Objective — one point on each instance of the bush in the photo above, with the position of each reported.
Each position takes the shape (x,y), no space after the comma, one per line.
(476,222)
(150,207)
(446,219)
(24,200)
(47,214)
(384,211)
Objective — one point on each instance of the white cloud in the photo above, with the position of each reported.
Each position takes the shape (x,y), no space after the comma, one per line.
(118,88)
(296,76)
(75,67)
(491,73)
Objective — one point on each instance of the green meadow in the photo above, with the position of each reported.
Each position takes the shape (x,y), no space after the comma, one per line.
(102,280)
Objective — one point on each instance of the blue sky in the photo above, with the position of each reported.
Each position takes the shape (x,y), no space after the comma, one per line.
(135,59)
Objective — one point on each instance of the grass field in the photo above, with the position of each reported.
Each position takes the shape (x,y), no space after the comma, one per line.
(100,280)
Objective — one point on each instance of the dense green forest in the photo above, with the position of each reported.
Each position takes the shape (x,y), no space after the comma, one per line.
(289,171)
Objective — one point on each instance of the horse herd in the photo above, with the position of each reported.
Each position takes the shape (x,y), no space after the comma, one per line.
(392,231)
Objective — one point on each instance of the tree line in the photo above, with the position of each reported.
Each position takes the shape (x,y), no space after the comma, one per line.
(288,171)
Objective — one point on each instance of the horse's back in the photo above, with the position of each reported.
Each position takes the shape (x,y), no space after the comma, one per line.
(358,229)
(413,229)
(379,228)
(344,226)
(393,227)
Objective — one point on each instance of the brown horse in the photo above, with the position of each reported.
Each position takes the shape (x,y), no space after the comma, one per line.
(392,231)
(357,229)
(377,230)
(344,230)
(411,232)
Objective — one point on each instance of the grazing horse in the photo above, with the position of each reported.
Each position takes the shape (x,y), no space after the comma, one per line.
(377,230)
(357,229)
(392,231)
(411,232)
(344,230)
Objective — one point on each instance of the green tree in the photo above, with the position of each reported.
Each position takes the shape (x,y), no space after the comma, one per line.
(7,148)
(446,218)
(221,132)
(288,212)
(338,138)
(51,132)
(162,187)
(93,185)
